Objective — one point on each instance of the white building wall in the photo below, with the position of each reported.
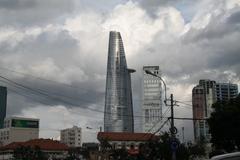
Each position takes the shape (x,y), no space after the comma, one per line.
(11,134)
(71,136)
(202,127)
(151,99)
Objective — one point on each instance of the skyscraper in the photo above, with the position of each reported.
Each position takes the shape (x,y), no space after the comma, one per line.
(151,99)
(203,96)
(3,104)
(226,91)
(118,113)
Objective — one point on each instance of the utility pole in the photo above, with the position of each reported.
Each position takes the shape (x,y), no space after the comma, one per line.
(172,117)
(183,135)
(172,130)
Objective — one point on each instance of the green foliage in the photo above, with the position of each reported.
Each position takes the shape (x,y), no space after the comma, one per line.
(161,150)
(224,125)
(165,148)
(27,153)
(73,154)
(197,150)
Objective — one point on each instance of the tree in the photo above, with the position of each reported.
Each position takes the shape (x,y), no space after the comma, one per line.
(224,124)
(162,149)
(197,150)
(27,153)
(73,154)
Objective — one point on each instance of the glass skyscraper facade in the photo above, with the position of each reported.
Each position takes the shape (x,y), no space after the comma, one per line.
(118,113)
(151,99)
(226,91)
(3,104)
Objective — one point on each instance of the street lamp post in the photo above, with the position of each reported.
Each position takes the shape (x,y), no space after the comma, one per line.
(165,88)
(173,129)
(90,128)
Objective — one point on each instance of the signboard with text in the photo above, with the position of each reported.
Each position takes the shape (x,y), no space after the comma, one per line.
(25,123)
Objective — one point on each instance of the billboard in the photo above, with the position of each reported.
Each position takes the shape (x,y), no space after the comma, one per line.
(25,123)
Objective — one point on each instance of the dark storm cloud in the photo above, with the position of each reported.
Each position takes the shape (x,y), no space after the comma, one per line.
(215,30)
(38,12)
(16,4)
(151,6)
(51,94)
(61,49)
(216,44)
(70,50)
(235,17)
(154,4)
(213,47)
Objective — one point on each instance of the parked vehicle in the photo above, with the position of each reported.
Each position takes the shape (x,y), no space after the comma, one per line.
(228,156)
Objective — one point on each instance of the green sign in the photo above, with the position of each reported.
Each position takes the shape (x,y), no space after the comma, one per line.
(25,123)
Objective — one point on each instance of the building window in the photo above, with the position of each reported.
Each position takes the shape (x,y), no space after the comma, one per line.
(119,113)
(146,115)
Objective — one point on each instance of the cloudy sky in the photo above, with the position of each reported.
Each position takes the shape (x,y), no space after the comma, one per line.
(54,54)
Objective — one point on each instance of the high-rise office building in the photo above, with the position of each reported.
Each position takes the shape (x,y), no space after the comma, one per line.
(226,91)
(203,96)
(151,99)
(201,129)
(118,113)
(3,104)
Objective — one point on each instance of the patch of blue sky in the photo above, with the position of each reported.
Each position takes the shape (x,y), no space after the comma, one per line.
(188,9)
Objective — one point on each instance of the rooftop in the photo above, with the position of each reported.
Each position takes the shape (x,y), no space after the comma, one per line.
(126,136)
(21,118)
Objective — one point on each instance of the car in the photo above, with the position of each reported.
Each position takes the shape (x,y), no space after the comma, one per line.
(228,156)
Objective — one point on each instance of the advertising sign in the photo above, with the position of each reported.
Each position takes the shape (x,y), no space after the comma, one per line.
(25,123)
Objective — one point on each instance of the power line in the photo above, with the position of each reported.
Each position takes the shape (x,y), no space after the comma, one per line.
(184,103)
(159,120)
(48,104)
(52,81)
(183,118)
(43,92)
(156,123)
(40,78)
(47,95)
(161,126)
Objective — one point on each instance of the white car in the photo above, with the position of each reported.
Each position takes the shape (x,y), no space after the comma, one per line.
(228,156)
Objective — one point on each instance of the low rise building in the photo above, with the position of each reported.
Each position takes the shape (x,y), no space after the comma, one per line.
(71,136)
(119,140)
(50,149)
(18,129)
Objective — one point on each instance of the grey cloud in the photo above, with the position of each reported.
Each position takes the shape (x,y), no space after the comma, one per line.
(187,7)
(16,102)
(221,25)
(63,49)
(52,94)
(211,52)
(154,4)
(16,4)
(27,13)
(214,47)
(235,17)
(31,50)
